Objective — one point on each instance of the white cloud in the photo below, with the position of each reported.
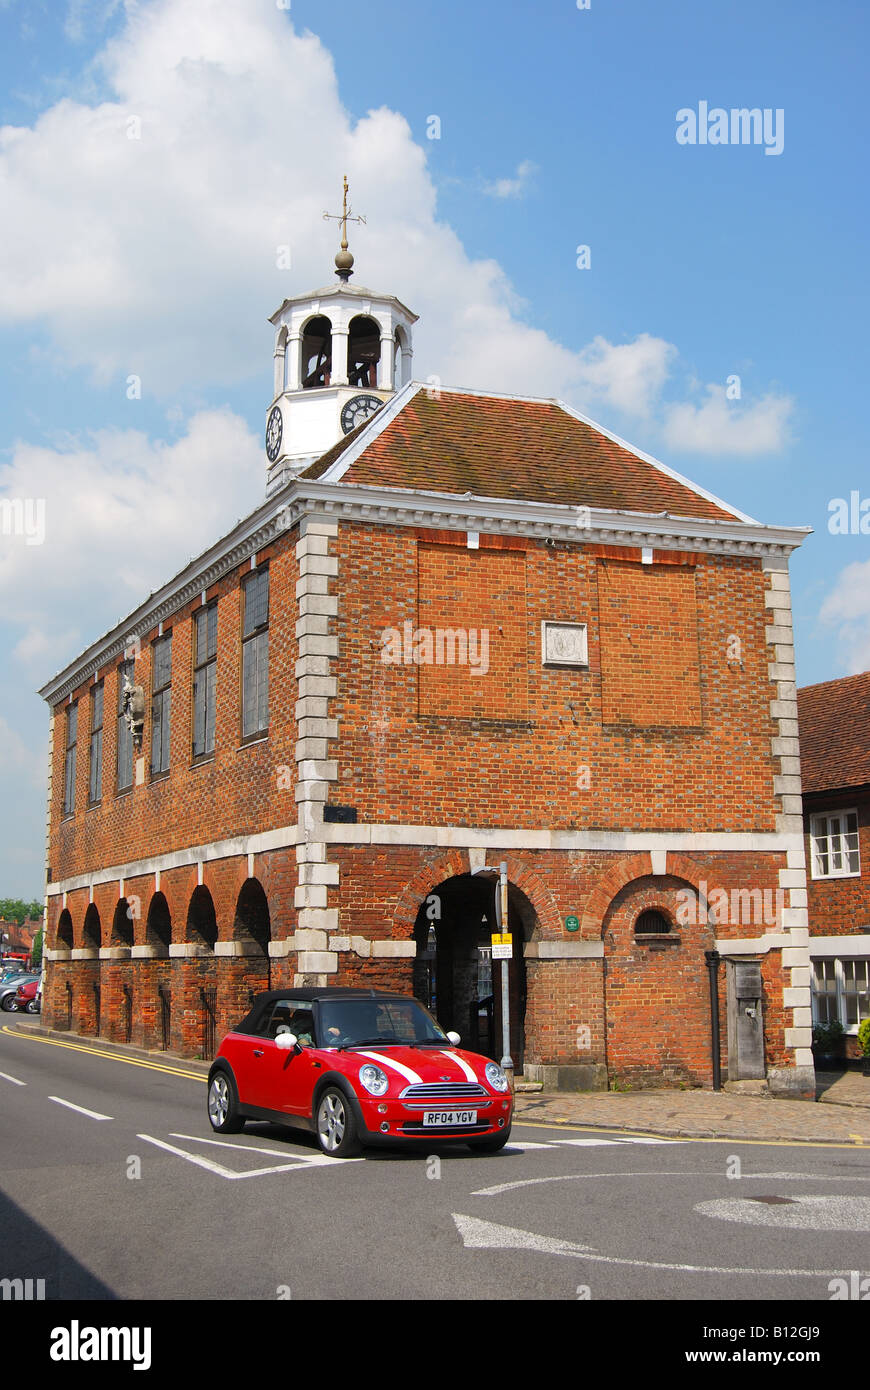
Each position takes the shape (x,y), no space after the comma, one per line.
(720,426)
(515,187)
(122,514)
(156,255)
(847,608)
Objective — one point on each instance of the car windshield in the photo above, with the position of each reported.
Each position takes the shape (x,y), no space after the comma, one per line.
(378,1022)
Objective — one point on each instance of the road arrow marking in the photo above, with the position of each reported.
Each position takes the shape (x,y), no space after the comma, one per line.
(486,1235)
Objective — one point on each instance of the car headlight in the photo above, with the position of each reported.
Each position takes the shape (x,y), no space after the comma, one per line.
(496,1077)
(374,1080)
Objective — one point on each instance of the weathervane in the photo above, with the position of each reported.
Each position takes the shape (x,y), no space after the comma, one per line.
(343,259)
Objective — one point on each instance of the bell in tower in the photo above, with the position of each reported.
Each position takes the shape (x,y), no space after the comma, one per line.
(340,353)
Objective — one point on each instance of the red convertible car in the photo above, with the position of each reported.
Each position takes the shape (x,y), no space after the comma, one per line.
(356,1068)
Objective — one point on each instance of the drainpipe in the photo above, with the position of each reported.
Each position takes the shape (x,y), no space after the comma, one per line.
(712,958)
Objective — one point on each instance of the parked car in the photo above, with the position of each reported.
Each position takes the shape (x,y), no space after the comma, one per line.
(28,997)
(356,1068)
(9,991)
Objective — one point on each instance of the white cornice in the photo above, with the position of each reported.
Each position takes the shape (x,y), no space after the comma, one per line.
(339,501)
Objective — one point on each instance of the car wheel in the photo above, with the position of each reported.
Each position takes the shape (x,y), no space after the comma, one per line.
(223,1104)
(10,1004)
(336,1124)
(33,1006)
(493,1144)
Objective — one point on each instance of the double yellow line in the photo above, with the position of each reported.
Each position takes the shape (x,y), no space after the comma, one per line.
(112,1056)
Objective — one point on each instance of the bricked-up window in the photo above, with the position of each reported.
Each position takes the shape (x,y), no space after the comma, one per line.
(125,733)
(69,766)
(161,702)
(95,774)
(204,680)
(650,654)
(651,923)
(835,845)
(255,655)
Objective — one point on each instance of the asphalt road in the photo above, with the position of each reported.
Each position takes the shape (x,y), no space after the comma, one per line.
(139,1199)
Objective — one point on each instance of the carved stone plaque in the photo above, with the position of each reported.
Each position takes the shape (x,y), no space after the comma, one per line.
(563,644)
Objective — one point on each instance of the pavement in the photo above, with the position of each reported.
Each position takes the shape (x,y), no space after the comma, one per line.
(841,1113)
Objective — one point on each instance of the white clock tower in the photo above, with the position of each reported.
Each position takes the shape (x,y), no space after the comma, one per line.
(340,352)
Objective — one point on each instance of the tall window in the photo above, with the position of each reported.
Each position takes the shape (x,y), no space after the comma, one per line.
(835,845)
(255,655)
(69,767)
(161,699)
(125,733)
(95,775)
(204,680)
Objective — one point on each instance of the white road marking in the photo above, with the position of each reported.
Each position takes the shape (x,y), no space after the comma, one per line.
(210,1166)
(13,1079)
(92,1114)
(485,1235)
(628,1139)
(525,1144)
(800,1213)
(251,1149)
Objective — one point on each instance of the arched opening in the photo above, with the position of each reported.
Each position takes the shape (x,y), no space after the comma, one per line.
(64,935)
(454,974)
(158,924)
(122,924)
(91,930)
(281,360)
(363,352)
(201,927)
(317,352)
(652,922)
(401,359)
(252,922)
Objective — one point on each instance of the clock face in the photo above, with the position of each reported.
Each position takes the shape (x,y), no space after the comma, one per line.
(274,430)
(358,409)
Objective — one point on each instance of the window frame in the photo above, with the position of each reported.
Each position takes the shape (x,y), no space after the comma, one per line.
(69,759)
(826,818)
(256,639)
(201,671)
(162,695)
(96,743)
(839,993)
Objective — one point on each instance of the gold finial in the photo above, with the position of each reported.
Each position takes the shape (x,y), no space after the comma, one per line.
(344,259)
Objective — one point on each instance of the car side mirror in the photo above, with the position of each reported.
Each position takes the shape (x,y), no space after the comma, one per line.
(454,1038)
(286,1041)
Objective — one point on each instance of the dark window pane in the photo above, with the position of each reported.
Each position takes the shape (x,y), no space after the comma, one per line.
(255,685)
(256,591)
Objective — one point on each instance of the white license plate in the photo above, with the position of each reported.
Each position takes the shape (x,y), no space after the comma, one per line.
(443,1119)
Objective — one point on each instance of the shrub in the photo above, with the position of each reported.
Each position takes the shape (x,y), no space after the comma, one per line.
(864,1037)
(827,1036)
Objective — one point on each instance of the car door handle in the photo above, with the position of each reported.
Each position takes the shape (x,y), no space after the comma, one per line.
(258,1051)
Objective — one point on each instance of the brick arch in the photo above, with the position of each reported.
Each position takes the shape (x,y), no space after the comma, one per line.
(457,862)
(597,904)
(63,934)
(424,880)
(679,866)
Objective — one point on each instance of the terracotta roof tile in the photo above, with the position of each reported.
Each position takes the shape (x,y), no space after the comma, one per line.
(531,451)
(834,721)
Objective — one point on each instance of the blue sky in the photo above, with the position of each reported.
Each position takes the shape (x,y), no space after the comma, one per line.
(154,256)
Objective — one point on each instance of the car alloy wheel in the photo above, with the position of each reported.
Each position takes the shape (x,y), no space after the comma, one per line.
(336,1126)
(10,1004)
(33,1006)
(223,1110)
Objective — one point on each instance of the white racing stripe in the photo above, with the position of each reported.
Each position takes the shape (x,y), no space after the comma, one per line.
(460,1062)
(391,1062)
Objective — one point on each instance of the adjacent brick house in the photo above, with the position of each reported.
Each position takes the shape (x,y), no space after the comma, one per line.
(477,629)
(835,743)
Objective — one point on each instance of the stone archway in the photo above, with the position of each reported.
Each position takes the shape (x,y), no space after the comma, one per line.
(454,975)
